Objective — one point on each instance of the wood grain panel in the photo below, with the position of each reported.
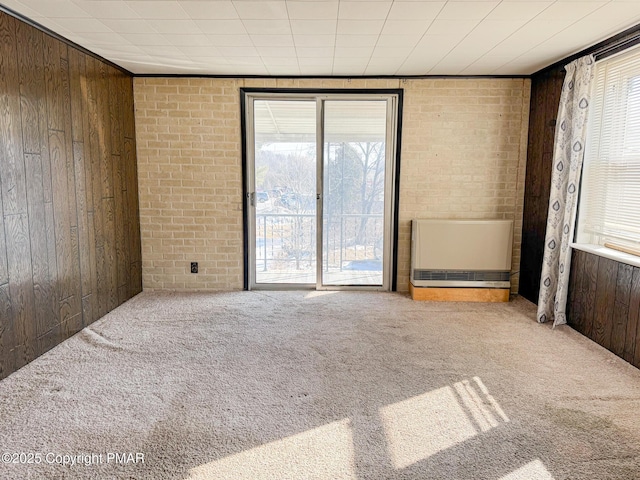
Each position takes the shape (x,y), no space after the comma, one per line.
(11,154)
(42,279)
(605,301)
(545,94)
(128,106)
(53,84)
(4,273)
(589,285)
(632,338)
(58,155)
(607,294)
(115,110)
(31,68)
(621,309)
(69,192)
(106,171)
(110,253)
(21,286)
(7,334)
(575,304)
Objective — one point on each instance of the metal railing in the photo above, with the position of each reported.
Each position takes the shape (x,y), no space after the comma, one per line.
(287,241)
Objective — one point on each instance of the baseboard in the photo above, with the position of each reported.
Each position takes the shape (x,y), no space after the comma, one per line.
(432,294)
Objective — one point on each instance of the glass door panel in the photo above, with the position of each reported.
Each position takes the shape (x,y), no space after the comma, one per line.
(284,206)
(353,212)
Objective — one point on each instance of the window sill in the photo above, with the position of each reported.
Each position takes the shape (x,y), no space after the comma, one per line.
(608,253)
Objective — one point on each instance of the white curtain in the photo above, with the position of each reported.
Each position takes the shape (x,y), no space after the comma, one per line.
(568,153)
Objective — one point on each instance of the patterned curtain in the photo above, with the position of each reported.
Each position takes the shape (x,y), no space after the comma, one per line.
(568,153)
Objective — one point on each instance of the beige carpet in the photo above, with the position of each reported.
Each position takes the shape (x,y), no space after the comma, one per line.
(326,385)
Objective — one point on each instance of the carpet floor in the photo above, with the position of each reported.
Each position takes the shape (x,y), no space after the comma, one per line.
(321,385)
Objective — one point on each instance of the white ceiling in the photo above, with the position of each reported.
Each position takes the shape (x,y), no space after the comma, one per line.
(333,37)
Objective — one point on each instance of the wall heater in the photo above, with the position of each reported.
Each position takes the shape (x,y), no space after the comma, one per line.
(461,253)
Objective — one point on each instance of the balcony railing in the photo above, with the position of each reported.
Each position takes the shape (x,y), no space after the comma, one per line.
(286,242)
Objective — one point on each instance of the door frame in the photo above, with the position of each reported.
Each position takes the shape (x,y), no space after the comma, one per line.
(394,127)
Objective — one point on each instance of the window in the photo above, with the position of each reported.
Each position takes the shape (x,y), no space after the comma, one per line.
(610,198)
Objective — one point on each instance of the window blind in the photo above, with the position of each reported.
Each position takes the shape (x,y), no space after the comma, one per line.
(610,201)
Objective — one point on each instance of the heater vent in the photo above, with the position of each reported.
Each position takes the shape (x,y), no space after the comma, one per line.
(461,253)
(461,275)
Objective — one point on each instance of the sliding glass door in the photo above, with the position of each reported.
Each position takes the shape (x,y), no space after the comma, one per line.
(320,190)
(355,161)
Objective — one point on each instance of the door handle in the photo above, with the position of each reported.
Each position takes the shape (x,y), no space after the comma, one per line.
(251,196)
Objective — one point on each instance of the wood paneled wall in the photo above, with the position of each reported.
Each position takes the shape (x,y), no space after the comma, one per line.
(70,233)
(604,303)
(545,99)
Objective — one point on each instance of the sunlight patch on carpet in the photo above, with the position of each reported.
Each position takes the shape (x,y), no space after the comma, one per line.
(320,453)
(321,293)
(534,470)
(422,426)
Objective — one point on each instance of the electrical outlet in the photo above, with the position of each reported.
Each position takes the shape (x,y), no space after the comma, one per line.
(194,267)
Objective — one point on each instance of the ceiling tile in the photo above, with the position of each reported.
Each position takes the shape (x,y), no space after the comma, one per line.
(415,10)
(208,59)
(315,51)
(273,40)
(262,10)
(444,37)
(197,40)
(391,52)
(272,27)
(358,63)
(82,25)
(353,52)
(314,70)
(238,51)
(398,40)
(466,10)
(350,70)
(239,70)
(221,27)
(175,26)
(218,10)
(56,8)
(518,10)
(111,9)
(405,27)
(145,38)
(100,38)
(237,60)
(231,40)
(292,71)
(489,33)
(314,40)
(315,61)
(531,34)
(313,10)
(276,51)
(199,51)
(21,8)
(128,26)
(356,40)
(313,27)
(350,10)
(280,61)
(451,27)
(168,50)
(359,27)
(164,10)
(569,10)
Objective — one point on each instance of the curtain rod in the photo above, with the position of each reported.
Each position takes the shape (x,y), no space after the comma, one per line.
(616,47)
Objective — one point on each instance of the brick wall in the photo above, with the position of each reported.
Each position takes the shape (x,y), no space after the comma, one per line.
(463,156)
